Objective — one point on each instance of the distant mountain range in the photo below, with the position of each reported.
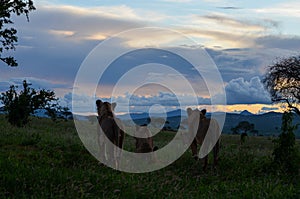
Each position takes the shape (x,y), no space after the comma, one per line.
(43,113)
(135,116)
(267,124)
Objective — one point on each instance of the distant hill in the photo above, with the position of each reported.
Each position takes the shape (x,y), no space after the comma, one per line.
(134,116)
(173,118)
(267,124)
(246,113)
(42,113)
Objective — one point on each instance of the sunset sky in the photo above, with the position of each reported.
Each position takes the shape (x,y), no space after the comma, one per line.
(241,37)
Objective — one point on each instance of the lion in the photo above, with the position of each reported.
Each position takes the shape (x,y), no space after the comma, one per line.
(144,141)
(111,127)
(205,126)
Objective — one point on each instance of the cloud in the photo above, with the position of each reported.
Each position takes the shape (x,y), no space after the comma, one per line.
(233,23)
(229,8)
(168,100)
(35,83)
(221,38)
(82,23)
(280,42)
(58,38)
(52,51)
(165,99)
(225,31)
(178,1)
(287,9)
(81,103)
(239,91)
(135,102)
(215,1)
(269,108)
(62,32)
(246,62)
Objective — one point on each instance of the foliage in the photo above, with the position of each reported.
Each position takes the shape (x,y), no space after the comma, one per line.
(19,105)
(66,113)
(48,160)
(243,127)
(286,154)
(283,82)
(8,36)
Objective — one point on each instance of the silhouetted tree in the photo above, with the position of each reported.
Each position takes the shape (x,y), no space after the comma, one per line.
(283,82)
(8,36)
(19,105)
(66,113)
(254,132)
(243,127)
(234,130)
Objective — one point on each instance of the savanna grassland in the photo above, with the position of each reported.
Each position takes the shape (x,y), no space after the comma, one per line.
(47,160)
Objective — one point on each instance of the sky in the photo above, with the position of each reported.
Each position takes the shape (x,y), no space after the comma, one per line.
(241,37)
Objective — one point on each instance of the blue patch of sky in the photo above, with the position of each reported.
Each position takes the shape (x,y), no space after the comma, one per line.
(145,56)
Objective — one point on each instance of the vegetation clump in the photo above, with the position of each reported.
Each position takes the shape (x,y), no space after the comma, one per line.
(20,105)
(286,154)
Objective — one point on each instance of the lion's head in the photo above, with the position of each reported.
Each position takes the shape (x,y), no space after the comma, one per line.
(105,109)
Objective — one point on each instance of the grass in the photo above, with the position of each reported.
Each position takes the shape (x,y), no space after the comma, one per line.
(48,160)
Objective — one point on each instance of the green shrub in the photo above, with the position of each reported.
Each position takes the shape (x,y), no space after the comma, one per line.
(286,154)
(19,105)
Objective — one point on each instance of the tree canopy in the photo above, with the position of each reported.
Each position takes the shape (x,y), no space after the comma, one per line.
(283,82)
(8,34)
(243,127)
(20,105)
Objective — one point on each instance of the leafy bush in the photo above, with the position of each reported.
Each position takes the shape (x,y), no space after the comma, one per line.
(20,105)
(286,154)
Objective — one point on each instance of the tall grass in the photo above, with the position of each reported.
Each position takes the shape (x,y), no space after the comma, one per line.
(48,160)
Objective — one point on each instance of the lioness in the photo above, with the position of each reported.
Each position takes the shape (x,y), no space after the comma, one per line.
(205,125)
(144,141)
(111,127)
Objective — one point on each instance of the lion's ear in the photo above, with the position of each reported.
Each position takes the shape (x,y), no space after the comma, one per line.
(99,103)
(203,111)
(189,111)
(113,106)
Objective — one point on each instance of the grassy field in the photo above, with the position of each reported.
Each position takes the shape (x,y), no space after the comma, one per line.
(48,160)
